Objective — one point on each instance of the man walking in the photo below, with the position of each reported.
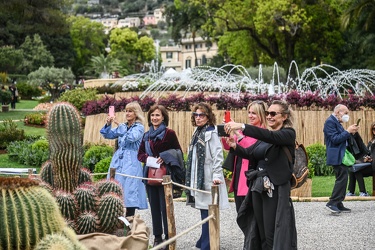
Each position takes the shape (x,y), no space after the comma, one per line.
(335,138)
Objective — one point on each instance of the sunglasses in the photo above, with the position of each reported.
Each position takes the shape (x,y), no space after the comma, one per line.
(272,113)
(195,114)
(373,129)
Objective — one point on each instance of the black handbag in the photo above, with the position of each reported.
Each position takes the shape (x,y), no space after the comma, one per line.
(229,162)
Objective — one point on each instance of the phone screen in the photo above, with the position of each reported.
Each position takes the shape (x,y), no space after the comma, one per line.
(227,116)
(111,111)
(358,121)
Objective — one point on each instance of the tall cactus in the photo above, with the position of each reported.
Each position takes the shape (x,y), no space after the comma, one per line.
(65,144)
(86,206)
(28,212)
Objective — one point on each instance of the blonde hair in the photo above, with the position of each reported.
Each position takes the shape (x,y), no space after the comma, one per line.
(260,108)
(136,108)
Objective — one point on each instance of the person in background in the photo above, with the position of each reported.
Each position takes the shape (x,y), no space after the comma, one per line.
(204,169)
(267,215)
(364,155)
(155,142)
(14,91)
(238,185)
(336,141)
(124,160)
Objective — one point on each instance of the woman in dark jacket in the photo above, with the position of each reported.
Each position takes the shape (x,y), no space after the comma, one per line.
(155,141)
(361,154)
(267,215)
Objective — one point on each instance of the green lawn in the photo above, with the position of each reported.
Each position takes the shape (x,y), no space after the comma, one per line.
(322,186)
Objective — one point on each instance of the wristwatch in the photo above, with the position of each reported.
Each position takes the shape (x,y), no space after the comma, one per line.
(243,127)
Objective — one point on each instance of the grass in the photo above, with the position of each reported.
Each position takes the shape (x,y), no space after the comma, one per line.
(322,186)
(20,115)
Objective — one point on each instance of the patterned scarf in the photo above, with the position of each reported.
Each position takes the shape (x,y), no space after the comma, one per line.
(199,140)
(153,135)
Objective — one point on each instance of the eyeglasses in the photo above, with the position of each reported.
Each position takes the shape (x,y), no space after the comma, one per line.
(195,114)
(272,113)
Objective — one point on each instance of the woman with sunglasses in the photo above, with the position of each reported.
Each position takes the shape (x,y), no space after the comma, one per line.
(238,185)
(203,170)
(364,156)
(124,160)
(267,215)
(156,142)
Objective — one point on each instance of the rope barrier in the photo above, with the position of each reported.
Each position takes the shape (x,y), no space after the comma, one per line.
(173,239)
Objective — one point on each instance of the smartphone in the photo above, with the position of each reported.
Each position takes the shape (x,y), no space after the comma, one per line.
(111,111)
(227,116)
(221,130)
(358,121)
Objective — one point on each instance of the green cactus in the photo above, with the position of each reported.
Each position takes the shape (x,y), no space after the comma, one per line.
(86,207)
(110,208)
(86,198)
(109,186)
(65,144)
(28,212)
(67,203)
(65,240)
(86,223)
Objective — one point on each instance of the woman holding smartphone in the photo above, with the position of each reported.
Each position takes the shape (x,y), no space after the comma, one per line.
(124,160)
(238,185)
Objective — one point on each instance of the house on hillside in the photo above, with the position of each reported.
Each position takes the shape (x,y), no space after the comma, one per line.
(182,56)
(129,22)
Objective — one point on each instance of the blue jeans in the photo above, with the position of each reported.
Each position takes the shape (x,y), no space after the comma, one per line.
(204,241)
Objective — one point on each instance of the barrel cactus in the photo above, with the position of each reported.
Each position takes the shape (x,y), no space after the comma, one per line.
(65,240)
(84,204)
(65,145)
(28,213)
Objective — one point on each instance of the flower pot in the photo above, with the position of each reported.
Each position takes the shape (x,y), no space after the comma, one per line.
(5,108)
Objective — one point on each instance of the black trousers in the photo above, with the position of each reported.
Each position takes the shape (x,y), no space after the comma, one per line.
(358,176)
(265,215)
(156,198)
(339,189)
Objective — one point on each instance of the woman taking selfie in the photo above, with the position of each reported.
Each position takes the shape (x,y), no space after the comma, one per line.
(267,215)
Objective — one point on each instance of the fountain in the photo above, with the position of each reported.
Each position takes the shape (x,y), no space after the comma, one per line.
(235,79)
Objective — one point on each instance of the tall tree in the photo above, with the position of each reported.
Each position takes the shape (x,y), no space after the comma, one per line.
(186,21)
(88,39)
(35,54)
(10,59)
(273,28)
(132,51)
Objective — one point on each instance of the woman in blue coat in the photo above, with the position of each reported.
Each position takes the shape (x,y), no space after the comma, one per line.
(125,160)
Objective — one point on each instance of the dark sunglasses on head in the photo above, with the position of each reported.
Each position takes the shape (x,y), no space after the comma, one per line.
(195,114)
(272,113)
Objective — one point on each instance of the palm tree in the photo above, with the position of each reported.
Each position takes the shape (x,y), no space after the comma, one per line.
(104,66)
(361,12)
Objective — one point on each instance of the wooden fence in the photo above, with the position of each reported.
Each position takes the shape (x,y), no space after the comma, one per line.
(308,125)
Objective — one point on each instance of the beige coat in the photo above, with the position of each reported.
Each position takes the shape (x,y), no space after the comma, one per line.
(212,170)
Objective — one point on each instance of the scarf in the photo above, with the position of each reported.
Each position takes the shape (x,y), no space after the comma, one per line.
(153,135)
(198,140)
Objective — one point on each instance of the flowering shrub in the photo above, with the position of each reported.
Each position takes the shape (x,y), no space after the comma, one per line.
(35,119)
(173,102)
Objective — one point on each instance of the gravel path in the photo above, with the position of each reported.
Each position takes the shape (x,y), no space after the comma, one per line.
(316,227)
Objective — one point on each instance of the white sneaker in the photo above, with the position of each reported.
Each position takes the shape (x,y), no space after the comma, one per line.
(350,194)
(363,194)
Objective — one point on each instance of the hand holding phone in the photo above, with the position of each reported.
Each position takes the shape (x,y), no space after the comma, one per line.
(221,130)
(111,111)
(227,116)
(358,121)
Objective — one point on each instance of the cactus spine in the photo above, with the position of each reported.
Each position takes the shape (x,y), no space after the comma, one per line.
(28,212)
(65,142)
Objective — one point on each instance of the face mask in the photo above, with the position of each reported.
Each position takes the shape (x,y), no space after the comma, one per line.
(345,118)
